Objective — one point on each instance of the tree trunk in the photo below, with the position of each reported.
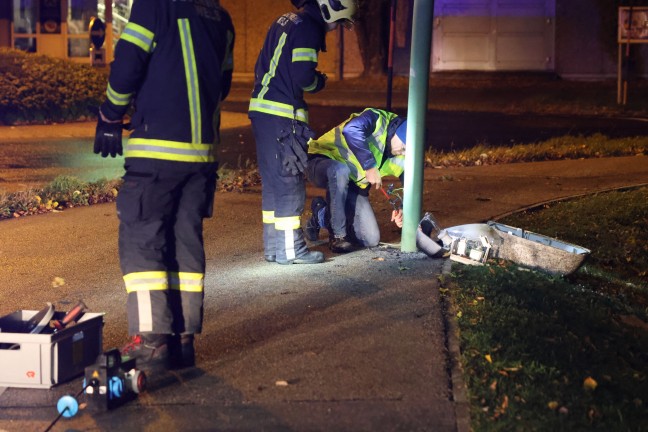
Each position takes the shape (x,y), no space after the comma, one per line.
(372,28)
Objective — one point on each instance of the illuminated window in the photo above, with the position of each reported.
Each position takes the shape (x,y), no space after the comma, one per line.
(80,12)
(24,25)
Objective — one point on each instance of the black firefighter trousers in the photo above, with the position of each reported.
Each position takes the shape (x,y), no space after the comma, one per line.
(161,206)
(282,195)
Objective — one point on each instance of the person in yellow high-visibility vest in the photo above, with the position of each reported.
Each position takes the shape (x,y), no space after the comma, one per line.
(348,161)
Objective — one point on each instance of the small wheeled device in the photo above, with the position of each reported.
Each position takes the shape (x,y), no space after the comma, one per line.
(108,383)
(111,382)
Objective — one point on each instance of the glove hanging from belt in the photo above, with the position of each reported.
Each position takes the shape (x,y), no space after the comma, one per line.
(294,148)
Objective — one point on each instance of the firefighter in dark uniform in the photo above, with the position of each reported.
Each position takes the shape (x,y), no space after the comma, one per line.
(285,69)
(174,61)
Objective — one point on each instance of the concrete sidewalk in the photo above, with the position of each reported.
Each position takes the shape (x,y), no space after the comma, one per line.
(359,343)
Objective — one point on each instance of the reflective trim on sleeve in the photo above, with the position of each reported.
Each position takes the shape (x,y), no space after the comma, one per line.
(278,109)
(272,69)
(191,75)
(188,282)
(287,223)
(146,281)
(169,150)
(312,86)
(304,54)
(268,216)
(120,99)
(137,35)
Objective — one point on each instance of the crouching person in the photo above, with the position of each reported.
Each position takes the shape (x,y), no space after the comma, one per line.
(348,161)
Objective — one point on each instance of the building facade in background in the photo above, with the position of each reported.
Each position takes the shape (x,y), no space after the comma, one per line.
(571,38)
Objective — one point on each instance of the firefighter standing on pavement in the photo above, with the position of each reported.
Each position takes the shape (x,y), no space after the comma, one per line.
(174,61)
(285,69)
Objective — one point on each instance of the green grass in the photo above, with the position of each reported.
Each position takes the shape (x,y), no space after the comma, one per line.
(566,147)
(68,191)
(63,192)
(545,336)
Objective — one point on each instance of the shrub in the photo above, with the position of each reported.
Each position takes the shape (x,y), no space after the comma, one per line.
(39,89)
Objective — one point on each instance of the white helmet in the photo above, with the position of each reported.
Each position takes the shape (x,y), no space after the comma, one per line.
(335,10)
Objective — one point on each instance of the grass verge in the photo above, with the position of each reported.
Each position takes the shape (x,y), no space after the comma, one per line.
(68,191)
(566,147)
(545,353)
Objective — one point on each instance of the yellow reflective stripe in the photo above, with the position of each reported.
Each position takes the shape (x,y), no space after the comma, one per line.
(138,35)
(191,75)
(304,54)
(287,223)
(228,60)
(169,150)
(274,61)
(146,281)
(312,86)
(394,166)
(118,98)
(188,282)
(268,216)
(278,109)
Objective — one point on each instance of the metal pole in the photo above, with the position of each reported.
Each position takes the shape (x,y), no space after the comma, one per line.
(417,108)
(390,56)
(341,48)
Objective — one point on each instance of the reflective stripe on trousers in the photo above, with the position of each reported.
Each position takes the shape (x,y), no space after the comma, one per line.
(161,206)
(281,196)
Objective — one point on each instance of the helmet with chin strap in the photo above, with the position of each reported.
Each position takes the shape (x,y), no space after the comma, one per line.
(336,10)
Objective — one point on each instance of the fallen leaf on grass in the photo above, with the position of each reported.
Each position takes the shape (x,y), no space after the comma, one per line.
(488,358)
(552,405)
(590,384)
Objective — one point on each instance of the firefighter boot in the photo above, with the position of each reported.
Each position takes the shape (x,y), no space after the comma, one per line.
(310,257)
(150,351)
(313,225)
(181,351)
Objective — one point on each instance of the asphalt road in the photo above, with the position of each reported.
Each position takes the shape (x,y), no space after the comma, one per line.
(459,130)
(33,161)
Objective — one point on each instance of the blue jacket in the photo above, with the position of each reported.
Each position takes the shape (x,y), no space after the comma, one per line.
(174,61)
(287,65)
(362,142)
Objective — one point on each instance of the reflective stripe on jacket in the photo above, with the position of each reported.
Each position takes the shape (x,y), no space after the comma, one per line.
(361,143)
(287,65)
(174,61)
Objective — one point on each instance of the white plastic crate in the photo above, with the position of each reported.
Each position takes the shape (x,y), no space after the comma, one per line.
(49,358)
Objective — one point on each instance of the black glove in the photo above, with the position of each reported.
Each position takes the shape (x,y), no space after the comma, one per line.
(303,133)
(293,156)
(108,138)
